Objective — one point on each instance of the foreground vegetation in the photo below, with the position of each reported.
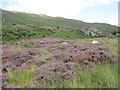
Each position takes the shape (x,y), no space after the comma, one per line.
(46,63)
(102,76)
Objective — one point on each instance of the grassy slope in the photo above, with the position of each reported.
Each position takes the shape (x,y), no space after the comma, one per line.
(71,27)
(25,18)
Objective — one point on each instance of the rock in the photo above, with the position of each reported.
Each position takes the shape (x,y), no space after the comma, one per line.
(93,34)
(64,43)
(91,31)
(95,42)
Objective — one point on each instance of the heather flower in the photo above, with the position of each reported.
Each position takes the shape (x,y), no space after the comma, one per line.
(84,48)
(56,66)
(102,47)
(55,71)
(85,61)
(39,62)
(91,64)
(100,56)
(63,57)
(45,76)
(23,67)
(12,86)
(35,51)
(29,84)
(71,66)
(80,56)
(34,56)
(79,73)
(50,58)
(8,64)
(19,42)
(9,54)
(3,77)
(4,46)
(68,74)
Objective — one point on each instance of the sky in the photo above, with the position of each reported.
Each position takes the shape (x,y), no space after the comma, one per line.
(101,11)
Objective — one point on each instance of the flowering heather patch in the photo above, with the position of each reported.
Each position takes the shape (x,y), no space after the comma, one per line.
(22,56)
(53,60)
(66,53)
(55,71)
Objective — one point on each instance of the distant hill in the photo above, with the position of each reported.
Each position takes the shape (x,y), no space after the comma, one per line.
(15,19)
(26,18)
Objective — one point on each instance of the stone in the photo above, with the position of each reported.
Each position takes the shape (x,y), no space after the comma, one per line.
(94,42)
(64,43)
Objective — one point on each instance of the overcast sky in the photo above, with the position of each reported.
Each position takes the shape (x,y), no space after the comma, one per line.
(102,11)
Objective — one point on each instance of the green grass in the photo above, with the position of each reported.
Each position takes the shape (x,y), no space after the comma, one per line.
(16,34)
(104,76)
(29,45)
(21,78)
(12,47)
(70,35)
(10,36)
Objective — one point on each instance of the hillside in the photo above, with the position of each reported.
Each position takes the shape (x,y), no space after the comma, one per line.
(26,18)
(20,25)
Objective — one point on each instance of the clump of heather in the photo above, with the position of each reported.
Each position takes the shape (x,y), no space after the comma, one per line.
(23,67)
(39,62)
(102,47)
(3,77)
(56,71)
(17,58)
(12,86)
(71,66)
(100,56)
(8,65)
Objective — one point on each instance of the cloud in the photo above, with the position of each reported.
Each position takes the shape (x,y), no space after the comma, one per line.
(49,7)
(63,8)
